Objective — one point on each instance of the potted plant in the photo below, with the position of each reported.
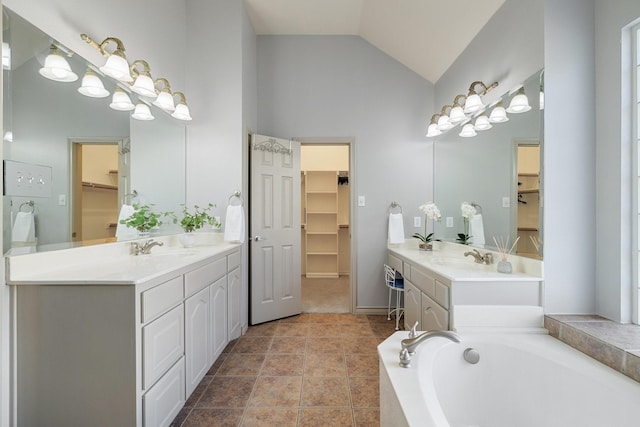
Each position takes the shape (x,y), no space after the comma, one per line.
(192,220)
(143,219)
(468,211)
(430,211)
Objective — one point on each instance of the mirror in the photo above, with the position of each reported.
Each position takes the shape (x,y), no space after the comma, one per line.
(49,123)
(491,171)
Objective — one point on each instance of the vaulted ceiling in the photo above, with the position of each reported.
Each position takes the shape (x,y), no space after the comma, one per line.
(424,35)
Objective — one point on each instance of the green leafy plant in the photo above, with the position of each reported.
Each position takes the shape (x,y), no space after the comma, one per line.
(430,211)
(468,211)
(195,219)
(143,218)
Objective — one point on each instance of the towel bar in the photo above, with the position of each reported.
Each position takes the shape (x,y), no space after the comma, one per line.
(393,206)
(236,194)
(30,203)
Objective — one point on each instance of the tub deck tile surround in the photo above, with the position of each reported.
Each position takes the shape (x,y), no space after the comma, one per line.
(307,370)
(614,344)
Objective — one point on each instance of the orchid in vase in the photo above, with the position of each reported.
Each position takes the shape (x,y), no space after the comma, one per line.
(468,211)
(430,211)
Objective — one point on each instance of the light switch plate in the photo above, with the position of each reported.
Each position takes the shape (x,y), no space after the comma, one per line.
(417,222)
(449,221)
(26,179)
(506,202)
(360,200)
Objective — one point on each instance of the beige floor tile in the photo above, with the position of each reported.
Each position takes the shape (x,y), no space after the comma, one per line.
(367,417)
(227,392)
(278,365)
(358,344)
(216,365)
(352,318)
(324,330)
(300,318)
(324,345)
(252,345)
(291,330)
(242,364)
(262,417)
(325,365)
(359,330)
(325,392)
(213,417)
(197,393)
(362,364)
(364,392)
(293,345)
(262,330)
(325,417)
(323,318)
(276,392)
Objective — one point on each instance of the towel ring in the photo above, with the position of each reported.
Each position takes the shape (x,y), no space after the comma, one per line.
(236,195)
(395,205)
(132,196)
(30,204)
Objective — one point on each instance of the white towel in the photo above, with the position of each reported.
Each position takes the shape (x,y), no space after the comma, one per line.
(396,228)
(234,224)
(24,228)
(476,230)
(122,231)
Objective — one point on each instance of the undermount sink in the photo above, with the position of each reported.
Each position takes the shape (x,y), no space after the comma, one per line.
(451,262)
(169,254)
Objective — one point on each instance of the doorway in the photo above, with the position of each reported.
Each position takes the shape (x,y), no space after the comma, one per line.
(528,211)
(100,171)
(326,231)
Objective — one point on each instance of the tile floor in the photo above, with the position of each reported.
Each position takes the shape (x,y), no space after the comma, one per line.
(314,369)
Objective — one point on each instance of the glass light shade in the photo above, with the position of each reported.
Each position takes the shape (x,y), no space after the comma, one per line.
(473,104)
(444,123)
(164,101)
(57,68)
(482,123)
(92,86)
(433,131)
(457,115)
(467,131)
(118,68)
(519,103)
(181,112)
(144,86)
(121,101)
(541,100)
(142,112)
(498,114)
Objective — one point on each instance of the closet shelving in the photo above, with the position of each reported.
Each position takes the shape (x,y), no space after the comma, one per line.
(321,224)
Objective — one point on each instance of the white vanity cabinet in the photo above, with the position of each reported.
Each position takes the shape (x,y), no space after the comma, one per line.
(122,354)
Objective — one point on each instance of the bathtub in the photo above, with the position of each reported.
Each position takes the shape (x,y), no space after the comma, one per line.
(521,380)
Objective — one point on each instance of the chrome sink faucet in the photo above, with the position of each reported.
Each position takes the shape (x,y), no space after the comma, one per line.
(144,248)
(409,345)
(487,258)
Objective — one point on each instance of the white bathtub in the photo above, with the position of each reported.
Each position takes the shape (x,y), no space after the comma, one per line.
(521,380)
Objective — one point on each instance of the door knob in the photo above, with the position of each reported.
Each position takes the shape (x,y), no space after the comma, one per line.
(259,238)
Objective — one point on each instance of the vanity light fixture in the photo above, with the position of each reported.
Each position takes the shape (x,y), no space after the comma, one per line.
(457,114)
(467,131)
(444,124)
(57,68)
(432,130)
(116,65)
(482,123)
(142,112)
(165,98)
(519,103)
(498,114)
(121,101)
(474,103)
(182,110)
(143,84)
(92,85)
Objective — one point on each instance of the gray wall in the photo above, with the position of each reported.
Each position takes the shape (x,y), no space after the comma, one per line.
(613,240)
(341,86)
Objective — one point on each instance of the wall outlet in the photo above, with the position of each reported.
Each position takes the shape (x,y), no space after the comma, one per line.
(449,222)
(417,222)
(506,202)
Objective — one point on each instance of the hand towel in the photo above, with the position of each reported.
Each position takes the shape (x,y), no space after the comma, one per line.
(24,228)
(476,230)
(234,224)
(122,231)
(396,228)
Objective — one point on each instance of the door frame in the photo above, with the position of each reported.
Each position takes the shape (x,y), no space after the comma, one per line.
(350,142)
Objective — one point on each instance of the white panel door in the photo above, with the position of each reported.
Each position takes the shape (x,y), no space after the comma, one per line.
(275,228)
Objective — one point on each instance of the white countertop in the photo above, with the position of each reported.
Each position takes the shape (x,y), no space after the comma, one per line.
(448,260)
(112,263)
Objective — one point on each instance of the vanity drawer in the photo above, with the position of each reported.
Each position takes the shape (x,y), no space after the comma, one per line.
(406,268)
(162,345)
(395,263)
(160,298)
(434,317)
(423,281)
(233,260)
(204,276)
(442,294)
(165,399)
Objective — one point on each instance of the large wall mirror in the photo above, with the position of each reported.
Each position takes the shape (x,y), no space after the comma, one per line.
(499,170)
(98,158)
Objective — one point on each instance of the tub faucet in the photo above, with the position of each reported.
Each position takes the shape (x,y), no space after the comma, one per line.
(480,259)
(409,345)
(145,248)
